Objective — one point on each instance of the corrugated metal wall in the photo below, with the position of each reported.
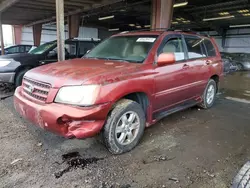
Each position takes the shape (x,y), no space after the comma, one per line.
(237,40)
(49,34)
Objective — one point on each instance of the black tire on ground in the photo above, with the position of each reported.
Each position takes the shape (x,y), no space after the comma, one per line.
(109,132)
(205,104)
(19,77)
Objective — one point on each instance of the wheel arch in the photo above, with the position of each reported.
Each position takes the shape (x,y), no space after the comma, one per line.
(21,68)
(141,98)
(216,78)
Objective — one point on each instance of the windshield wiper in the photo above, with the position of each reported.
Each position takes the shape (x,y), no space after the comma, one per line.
(114,59)
(120,60)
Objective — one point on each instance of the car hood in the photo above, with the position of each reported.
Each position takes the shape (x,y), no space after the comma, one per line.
(82,71)
(20,57)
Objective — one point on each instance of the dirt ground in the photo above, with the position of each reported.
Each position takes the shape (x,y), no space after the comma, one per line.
(193,148)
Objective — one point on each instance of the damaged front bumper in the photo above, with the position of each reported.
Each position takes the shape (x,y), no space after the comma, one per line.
(64,120)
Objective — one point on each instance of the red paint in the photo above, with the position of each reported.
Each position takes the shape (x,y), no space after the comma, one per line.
(165,87)
(17,34)
(64,120)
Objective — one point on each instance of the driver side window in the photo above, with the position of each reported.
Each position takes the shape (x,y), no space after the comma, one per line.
(175,46)
(53,53)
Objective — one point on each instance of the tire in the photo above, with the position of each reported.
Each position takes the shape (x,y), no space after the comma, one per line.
(205,102)
(241,67)
(118,126)
(19,77)
(242,179)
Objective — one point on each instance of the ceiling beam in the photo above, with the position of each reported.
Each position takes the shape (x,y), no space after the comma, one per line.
(6,4)
(81,10)
(215,5)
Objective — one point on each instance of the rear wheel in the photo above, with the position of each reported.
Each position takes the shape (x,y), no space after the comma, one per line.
(209,95)
(124,127)
(19,77)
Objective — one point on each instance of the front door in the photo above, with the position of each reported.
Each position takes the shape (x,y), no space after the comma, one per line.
(70,53)
(172,81)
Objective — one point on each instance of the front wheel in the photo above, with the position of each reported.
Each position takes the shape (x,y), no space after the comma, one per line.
(209,95)
(124,127)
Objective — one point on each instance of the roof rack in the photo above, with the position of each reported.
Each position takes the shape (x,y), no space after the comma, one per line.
(155,29)
(86,39)
(168,29)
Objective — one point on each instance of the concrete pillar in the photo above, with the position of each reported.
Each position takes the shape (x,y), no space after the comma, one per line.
(162,13)
(1,37)
(74,25)
(60,29)
(17,32)
(37,32)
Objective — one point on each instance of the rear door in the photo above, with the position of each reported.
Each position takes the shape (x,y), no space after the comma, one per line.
(21,49)
(198,64)
(172,81)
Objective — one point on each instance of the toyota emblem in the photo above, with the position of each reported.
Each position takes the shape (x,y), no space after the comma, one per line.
(31,88)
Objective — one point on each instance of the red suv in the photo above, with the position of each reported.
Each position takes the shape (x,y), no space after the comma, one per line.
(128,82)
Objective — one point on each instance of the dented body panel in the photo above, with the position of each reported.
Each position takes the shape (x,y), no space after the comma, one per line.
(165,87)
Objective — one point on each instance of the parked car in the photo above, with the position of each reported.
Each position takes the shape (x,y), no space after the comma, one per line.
(241,59)
(228,64)
(17,49)
(128,82)
(13,67)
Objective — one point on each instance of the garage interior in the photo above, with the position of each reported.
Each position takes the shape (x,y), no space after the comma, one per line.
(193,148)
(227,21)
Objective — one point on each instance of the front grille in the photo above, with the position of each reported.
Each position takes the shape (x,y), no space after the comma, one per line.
(35,89)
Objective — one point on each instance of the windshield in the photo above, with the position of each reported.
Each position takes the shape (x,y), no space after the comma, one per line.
(124,48)
(43,48)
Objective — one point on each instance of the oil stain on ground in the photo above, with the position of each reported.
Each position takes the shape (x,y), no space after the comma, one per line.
(74,161)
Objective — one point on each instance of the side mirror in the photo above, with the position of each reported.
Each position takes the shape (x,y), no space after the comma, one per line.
(166,59)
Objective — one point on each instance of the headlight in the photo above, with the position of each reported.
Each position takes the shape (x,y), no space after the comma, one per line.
(78,95)
(4,63)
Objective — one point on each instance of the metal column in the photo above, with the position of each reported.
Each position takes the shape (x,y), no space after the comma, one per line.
(60,29)
(37,33)
(162,13)
(1,36)
(17,32)
(74,25)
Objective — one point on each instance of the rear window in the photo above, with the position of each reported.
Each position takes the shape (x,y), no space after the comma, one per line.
(210,48)
(194,47)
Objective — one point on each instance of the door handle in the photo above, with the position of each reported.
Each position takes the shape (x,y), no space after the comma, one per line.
(185,66)
(208,62)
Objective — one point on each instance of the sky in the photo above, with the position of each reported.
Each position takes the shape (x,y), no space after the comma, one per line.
(7,35)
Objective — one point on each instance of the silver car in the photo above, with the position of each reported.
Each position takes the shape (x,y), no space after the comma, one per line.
(243,61)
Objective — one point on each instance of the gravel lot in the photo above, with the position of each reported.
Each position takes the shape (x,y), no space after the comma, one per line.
(193,148)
